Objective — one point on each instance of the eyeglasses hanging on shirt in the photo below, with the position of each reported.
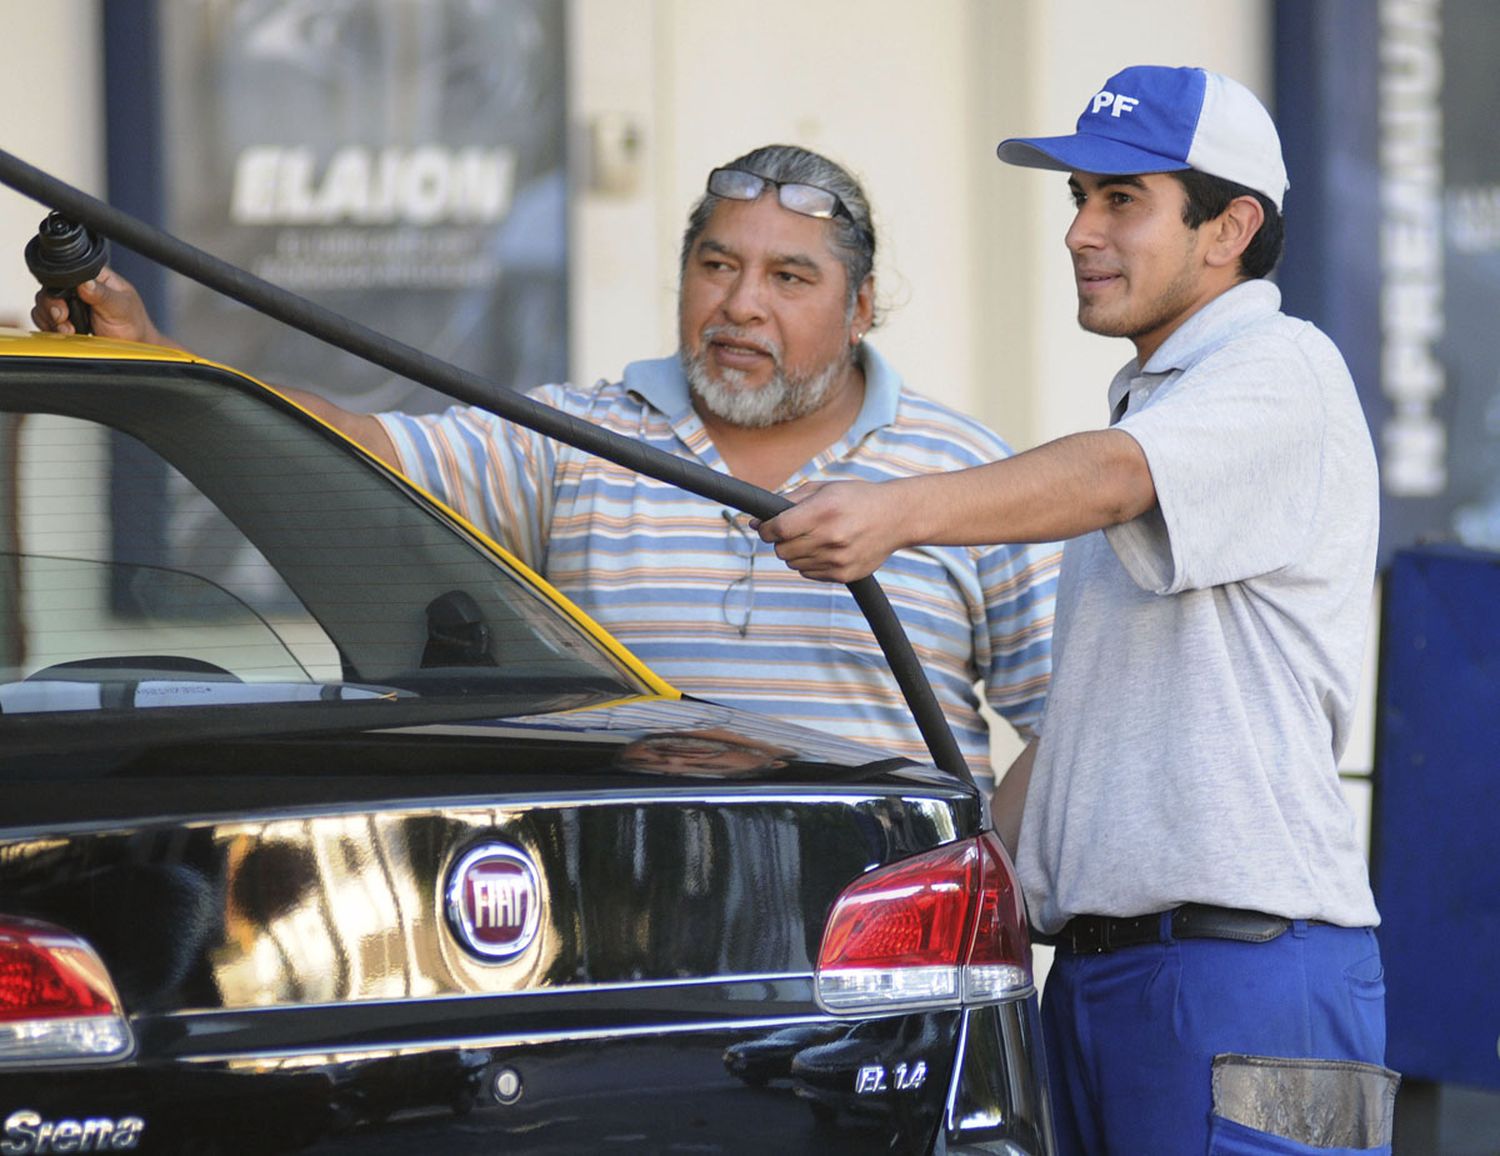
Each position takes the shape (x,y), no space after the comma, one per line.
(739,598)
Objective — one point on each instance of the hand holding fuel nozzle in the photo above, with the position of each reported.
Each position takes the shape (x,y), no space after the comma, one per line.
(62,256)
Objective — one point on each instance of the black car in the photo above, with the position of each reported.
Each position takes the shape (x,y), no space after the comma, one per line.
(326,826)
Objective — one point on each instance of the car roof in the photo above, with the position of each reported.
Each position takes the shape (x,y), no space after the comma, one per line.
(24,343)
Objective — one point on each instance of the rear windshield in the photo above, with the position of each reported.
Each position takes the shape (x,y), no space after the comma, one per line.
(175,537)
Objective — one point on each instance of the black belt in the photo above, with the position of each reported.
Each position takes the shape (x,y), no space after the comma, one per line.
(1097,933)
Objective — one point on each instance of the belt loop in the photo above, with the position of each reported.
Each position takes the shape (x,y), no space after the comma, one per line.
(1166,926)
(1299,928)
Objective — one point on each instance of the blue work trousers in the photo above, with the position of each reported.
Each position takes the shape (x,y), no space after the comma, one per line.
(1132,1036)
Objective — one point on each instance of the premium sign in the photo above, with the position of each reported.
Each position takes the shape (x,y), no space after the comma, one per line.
(1393,241)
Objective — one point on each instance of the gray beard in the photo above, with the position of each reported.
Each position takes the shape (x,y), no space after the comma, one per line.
(782,399)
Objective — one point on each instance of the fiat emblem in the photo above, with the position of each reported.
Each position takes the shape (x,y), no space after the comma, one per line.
(494,901)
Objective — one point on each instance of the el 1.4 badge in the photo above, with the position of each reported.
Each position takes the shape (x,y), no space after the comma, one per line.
(903,1077)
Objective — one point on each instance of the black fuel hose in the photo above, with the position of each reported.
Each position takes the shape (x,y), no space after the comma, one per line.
(338,330)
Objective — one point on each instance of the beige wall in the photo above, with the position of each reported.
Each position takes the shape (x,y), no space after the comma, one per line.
(49,123)
(913,98)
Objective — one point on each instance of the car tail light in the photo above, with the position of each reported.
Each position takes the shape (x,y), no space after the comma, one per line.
(56,998)
(942,927)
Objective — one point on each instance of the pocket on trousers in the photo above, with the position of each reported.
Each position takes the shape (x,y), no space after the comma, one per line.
(1366,979)
(1267,1104)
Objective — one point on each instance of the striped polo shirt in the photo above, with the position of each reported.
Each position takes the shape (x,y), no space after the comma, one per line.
(687,586)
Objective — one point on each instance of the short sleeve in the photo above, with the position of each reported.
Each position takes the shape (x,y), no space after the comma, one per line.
(1235,447)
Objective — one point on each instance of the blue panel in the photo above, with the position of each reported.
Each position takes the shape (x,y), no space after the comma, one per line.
(1435,850)
(1327,56)
(132,134)
(133,137)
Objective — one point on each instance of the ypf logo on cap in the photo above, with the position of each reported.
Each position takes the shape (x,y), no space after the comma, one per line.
(494,901)
(1113,103)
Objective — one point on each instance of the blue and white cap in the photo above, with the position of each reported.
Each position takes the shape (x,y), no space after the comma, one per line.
(1151,119)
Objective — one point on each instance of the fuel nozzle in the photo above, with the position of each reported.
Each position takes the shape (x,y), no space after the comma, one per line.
(62,256)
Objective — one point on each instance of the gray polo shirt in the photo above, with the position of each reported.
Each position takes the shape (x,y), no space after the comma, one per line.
(1206,655)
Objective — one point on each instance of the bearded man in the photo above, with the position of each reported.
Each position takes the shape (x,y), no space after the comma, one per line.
(775,384)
